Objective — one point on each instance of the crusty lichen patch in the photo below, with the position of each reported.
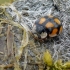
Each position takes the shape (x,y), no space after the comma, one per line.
(18,49)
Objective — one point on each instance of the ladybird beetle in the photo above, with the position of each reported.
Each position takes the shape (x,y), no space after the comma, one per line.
(47,26)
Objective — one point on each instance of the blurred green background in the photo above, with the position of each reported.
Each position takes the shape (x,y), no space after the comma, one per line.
(5,1)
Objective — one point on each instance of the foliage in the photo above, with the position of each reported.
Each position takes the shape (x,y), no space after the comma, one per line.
(54,65)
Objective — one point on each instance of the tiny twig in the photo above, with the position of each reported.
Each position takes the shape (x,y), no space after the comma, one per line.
(7,66)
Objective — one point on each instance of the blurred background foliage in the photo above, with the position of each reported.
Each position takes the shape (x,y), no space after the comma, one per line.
(5,1)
